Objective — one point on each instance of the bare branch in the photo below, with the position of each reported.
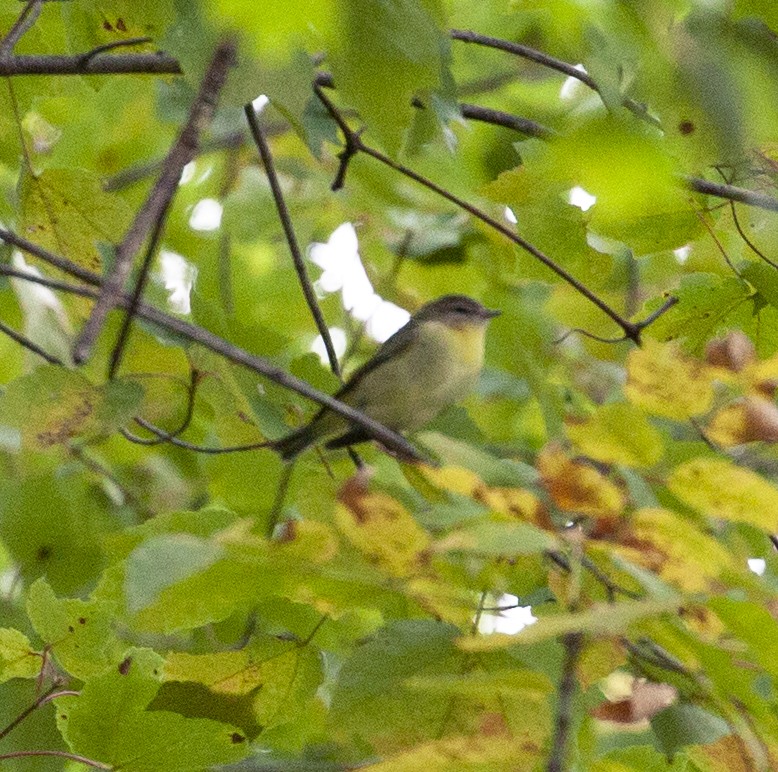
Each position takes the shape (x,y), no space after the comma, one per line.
(733,193)
(30,346)
(84,64)
(573,643)
(25,20)
(291,238)
(390,439)
(354,144)
(158,201)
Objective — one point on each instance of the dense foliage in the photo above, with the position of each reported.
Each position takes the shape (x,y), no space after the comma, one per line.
(602,172)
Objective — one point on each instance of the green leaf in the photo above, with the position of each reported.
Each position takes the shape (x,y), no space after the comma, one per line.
(617,434)
(496,539)
(388,51)
(369,698)
(685,724)
(108,722)
(77,632)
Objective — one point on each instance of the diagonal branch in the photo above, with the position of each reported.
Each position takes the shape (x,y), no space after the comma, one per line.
(390,439)
(23,23)
(25,342)
(354,145)
(158,201)
(517,49)
(733,193)
(291,238)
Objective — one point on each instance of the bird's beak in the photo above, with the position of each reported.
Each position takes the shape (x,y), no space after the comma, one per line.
(490,313)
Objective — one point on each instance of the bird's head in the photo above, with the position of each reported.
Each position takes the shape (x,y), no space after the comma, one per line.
(457,311)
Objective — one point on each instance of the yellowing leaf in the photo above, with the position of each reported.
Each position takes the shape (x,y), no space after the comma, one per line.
(718,488)
(452,754)
(383,530)
(576,486)
(18,659)
(67,212)
(662,381)
(675,549)
(617,434)
(454,479)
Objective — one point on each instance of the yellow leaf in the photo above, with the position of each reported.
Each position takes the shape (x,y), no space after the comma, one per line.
(453,479)
(382,530)
(718,488)
(672,547)
(453,754)
(662,381)
(617,434)
(576,486)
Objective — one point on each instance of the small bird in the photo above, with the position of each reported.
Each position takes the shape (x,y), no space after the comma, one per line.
(430,363)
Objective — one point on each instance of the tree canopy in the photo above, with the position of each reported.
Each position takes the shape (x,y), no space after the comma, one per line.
(213,211)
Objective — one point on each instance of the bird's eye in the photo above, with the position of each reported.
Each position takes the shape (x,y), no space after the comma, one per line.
(462,310)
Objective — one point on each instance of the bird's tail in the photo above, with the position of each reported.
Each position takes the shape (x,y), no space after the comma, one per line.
(294,442)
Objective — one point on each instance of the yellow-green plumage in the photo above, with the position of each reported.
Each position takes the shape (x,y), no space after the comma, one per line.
(432,362)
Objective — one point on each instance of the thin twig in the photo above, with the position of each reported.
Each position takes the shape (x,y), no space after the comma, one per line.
(40,701)
(280,497)
(612,588)
(171,439)
(163,436)
(23,23)
(291,238)
(89,55)
(517,49)
(58,754)
(159,198)
(354,145)
(390,439)
(29,345)
(573,643)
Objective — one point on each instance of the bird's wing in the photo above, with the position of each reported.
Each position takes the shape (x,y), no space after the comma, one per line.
(389,349)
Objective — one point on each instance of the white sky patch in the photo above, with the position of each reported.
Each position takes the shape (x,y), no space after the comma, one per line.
(682,254)
(260,103)
(571,85)
(511,621)
(178,277)
(338,341)
(510,216)
(37,293)
(188,173)
(581,198)
(206,215)
(757,565)
(342,271)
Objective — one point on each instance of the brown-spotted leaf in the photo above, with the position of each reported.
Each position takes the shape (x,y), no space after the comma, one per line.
(66,406)
(382,529)
(576,486)
(673,547)
(647,699)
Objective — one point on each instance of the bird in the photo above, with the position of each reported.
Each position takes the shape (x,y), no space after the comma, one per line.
(429,364)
